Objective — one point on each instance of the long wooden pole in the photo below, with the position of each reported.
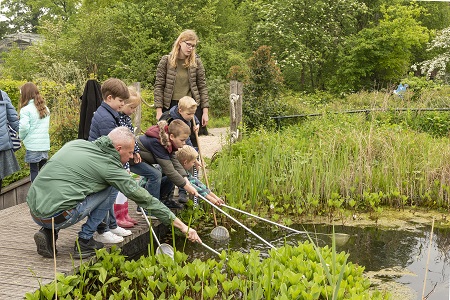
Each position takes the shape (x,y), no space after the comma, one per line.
(204,172)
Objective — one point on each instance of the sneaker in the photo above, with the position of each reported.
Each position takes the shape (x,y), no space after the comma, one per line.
(108,237)
(172,204)
(121,231)
(43,239)
(86,249)
(183,198)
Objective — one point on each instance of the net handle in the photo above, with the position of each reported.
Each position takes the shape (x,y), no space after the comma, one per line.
(150,226)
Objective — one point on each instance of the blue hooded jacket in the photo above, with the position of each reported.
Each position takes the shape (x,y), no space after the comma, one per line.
(8,114)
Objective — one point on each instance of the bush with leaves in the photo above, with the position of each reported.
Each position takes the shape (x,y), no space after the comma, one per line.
(262,93)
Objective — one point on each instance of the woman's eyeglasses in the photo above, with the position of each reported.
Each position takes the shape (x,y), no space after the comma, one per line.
(189,45)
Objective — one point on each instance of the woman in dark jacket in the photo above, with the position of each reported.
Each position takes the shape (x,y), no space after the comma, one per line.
(8,115)
(179,74)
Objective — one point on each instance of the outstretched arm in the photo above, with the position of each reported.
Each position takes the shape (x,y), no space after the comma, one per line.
(191,234)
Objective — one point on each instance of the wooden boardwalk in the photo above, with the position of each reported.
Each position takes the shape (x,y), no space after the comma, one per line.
(22,268)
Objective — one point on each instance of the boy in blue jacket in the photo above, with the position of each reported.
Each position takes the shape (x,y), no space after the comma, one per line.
(105,119)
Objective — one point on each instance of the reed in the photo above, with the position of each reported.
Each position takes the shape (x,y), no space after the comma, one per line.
(345,158)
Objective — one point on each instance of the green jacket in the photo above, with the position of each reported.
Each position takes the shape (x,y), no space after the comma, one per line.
(81,168)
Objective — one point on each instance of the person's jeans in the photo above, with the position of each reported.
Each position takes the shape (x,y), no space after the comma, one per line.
(35,167)
(157,184)
(110,221)
(95,207)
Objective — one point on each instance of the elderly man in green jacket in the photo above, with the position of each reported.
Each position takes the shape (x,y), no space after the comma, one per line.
(75,183)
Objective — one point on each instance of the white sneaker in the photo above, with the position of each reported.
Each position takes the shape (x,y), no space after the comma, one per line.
(121,231)
(108,237)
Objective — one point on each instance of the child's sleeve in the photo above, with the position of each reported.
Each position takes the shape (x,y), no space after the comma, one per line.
(199,186)
(24,124)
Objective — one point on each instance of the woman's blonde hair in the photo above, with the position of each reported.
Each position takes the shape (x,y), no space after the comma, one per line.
(29,91)
(187,35)
(186,153)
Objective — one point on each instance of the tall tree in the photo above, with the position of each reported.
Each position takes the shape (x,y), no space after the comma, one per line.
(26,15)
(438,66)
(382,54)
(304,35)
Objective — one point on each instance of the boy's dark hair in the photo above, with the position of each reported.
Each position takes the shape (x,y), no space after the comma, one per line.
(116,88)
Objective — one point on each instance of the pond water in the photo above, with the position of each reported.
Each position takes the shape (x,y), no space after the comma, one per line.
(392,254)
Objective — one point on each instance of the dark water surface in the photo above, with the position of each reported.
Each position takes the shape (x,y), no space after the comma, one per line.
(373,248)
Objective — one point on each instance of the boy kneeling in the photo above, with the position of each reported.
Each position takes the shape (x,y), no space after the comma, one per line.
(187,156)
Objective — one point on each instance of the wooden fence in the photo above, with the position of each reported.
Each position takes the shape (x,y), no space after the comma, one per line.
(14,193)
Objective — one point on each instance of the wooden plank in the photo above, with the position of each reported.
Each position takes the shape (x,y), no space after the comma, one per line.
(22,268)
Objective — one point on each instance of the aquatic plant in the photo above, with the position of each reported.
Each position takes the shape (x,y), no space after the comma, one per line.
(300,272)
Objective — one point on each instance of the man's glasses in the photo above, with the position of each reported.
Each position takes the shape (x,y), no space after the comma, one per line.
(189,45)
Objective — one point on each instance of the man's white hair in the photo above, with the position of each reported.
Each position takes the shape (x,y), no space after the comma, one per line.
(121,135)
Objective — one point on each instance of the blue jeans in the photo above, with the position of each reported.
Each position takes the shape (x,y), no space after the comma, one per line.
(157,184)
(110,221)
(95,207)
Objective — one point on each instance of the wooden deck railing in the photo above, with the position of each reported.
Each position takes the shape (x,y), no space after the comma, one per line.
(14,193)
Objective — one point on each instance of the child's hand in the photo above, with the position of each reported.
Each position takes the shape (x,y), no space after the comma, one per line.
(137,158)
(218,202)
(190,189)
(198,165)
(195,128)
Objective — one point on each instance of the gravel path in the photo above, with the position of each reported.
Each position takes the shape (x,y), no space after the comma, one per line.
(214,141)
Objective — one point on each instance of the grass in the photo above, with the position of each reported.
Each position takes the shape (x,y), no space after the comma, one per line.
(336,161)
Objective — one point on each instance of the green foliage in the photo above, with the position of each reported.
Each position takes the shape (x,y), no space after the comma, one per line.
(439,65)
(301,272)
(18,64)
(305,35)
(218,93)
(381,54)
(12,88)
(262,91)
(326,45)
(26,15)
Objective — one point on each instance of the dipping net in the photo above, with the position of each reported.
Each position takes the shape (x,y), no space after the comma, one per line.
(220,233)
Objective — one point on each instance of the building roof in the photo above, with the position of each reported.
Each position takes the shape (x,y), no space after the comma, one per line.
(22,40)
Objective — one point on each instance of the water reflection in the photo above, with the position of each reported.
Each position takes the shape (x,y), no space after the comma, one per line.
(371,247)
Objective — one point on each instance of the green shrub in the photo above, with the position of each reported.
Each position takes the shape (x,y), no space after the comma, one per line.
(12,88)
(262,93)
(218,92)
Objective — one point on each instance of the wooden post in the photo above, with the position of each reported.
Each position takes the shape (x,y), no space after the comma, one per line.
(138,113)
(236,95)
